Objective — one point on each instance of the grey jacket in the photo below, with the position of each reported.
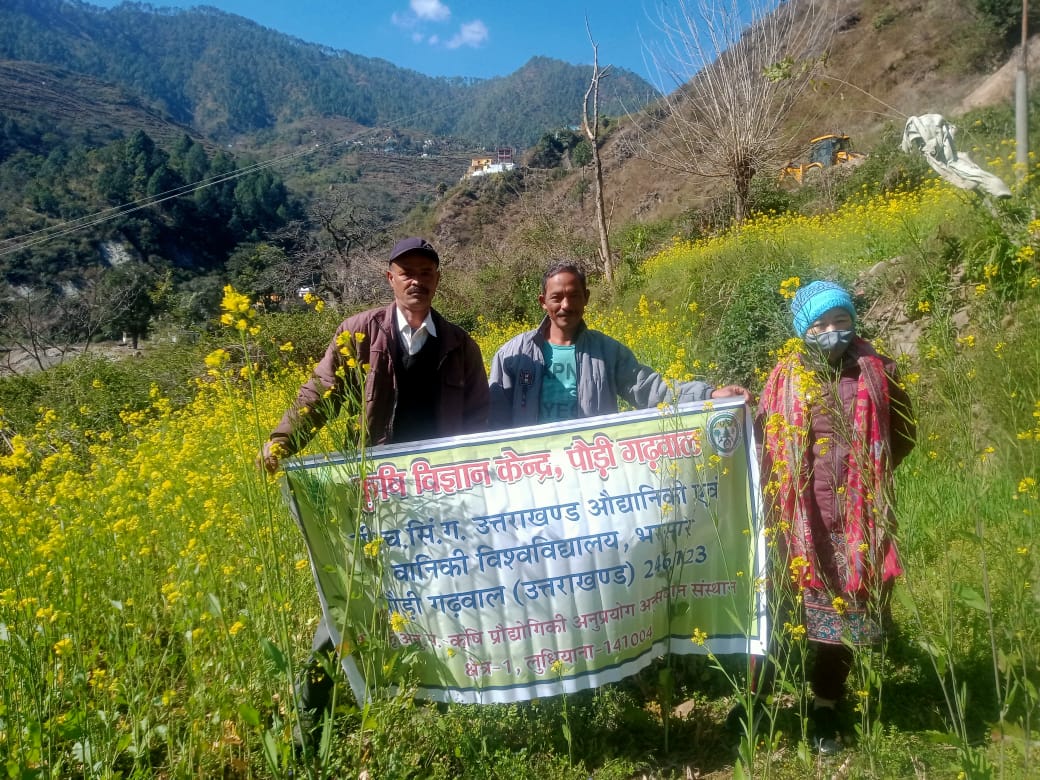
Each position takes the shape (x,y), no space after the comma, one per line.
(607,370)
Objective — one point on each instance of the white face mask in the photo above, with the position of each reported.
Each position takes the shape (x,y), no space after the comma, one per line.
(831,343)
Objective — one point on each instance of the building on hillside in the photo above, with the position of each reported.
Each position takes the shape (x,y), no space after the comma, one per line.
(501,162)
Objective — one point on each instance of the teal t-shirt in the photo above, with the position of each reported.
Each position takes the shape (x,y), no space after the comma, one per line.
(559,395)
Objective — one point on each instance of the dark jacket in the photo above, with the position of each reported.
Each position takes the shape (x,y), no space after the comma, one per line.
(463,397)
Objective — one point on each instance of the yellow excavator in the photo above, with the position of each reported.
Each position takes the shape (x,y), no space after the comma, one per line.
(824,151)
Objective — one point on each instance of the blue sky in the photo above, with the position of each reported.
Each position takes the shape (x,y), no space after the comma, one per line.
(480,38)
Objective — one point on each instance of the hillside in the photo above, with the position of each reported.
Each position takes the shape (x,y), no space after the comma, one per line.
(392,170)
(884,60)
(72,104)
(888,59)
(154,554)
(224,75)
(157,596)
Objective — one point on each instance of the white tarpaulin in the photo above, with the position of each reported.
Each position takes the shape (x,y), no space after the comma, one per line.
(933,136)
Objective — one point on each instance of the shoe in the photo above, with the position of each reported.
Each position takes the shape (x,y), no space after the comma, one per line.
(307,732)
(825,730)
(827,746)
(313,706)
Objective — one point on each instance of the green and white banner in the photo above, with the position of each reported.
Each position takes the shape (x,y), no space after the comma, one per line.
(527,562)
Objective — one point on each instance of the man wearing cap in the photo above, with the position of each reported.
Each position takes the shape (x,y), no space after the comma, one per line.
(425,379)
(563,370)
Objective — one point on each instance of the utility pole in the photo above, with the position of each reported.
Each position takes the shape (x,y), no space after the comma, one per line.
(1022,102)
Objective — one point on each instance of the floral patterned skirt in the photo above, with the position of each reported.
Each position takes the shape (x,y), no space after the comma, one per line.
(835,620)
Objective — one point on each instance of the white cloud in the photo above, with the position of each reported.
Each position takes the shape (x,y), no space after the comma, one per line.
(423,12)
(433,10)
(472,34)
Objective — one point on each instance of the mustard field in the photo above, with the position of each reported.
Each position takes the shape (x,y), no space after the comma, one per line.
(156,600)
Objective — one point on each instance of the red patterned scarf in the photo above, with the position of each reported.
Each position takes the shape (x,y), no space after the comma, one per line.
(868,519)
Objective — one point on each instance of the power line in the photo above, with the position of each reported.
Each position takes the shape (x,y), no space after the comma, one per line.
(105,215)
(42,235)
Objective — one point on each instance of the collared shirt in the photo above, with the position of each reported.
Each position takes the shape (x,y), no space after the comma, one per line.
(412,339)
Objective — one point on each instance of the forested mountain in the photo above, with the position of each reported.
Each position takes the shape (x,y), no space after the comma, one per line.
(311,158)
(224,75)
(95,239)
(113,118)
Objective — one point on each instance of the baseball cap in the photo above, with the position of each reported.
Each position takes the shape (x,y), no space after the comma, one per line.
(414,244)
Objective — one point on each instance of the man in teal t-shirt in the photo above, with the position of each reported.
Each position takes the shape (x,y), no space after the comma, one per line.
(563,370)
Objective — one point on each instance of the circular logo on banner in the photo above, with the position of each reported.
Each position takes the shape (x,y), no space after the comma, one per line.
(724,433)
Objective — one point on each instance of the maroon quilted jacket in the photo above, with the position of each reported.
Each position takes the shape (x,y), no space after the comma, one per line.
(827,459)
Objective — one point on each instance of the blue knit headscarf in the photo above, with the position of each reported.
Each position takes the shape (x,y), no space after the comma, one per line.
(814,299)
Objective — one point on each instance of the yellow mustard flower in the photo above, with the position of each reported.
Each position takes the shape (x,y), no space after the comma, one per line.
(789,287)
(63,646)
(796,632)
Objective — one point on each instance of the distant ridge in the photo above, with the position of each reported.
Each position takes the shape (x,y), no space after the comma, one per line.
(224,75)
(72,104)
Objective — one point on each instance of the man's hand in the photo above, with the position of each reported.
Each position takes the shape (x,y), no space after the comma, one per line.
(268,458)
(729,391)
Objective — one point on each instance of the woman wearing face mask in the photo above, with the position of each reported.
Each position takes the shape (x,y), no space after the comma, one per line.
(835,423)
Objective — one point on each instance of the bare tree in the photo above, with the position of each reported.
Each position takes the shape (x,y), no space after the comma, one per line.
(35,326)
(123,298)
(590,126)
(337,245)
(42,326)
(738,68)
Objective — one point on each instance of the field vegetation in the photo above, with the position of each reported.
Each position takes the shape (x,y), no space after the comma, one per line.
(156,601)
